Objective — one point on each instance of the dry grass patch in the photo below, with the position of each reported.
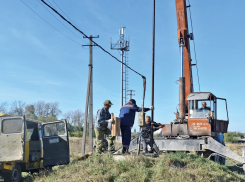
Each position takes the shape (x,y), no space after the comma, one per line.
(235,147)
(168,167)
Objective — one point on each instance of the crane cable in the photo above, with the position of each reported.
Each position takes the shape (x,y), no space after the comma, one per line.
(91,39)
(194,46)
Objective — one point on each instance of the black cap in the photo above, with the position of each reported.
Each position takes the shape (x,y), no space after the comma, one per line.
(133,101)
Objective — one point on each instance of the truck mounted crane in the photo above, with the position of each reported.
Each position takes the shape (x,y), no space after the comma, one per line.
(196,127)
(192,119)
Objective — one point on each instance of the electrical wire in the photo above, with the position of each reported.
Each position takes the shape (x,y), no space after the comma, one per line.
(49,23)
(91,39)
(61,22)
(63,12)
(194,47)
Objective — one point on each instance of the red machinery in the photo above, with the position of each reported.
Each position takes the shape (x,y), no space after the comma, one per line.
(192,120)
(196,127)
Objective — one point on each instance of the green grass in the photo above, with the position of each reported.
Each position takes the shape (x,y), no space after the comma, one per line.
(168,167)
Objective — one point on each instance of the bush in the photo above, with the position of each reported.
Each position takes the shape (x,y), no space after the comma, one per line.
(76,134)
(232,136)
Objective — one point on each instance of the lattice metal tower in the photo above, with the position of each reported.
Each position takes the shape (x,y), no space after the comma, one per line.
(126,77)
(131,93)
(123,45)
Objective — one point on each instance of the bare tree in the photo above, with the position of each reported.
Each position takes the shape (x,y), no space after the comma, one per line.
(3,107)
(17,108)
(75,118)
(39,108)
(30,109)
(47,109)
(54,110)
(68,116)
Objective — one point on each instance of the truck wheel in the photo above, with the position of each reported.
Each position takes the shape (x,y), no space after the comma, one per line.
(14,175)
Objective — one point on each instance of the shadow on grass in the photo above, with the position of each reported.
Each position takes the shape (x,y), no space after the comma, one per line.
(236,169)
(27,177)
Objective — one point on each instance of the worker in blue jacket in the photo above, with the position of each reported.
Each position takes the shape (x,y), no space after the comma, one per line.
(127,115)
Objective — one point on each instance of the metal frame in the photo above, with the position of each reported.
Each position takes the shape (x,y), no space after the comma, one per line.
(204,144)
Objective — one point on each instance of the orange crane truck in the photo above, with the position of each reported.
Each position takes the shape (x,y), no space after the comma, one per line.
(197,126)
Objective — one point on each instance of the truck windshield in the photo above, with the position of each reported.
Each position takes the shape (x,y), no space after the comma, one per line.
(12,125)
(199,113)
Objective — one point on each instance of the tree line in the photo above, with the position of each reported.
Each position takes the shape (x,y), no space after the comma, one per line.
(43,111)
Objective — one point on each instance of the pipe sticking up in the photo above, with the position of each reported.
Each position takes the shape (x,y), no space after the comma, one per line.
(182,88)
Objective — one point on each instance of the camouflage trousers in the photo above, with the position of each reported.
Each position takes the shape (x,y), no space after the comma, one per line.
(100,138)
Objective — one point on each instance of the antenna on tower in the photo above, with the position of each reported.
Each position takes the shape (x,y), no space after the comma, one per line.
(123,45)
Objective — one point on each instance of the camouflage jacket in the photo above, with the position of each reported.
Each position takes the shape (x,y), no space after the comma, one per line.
(101,119)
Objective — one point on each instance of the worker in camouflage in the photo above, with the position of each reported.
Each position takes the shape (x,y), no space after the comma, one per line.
(146,135)
(103,127)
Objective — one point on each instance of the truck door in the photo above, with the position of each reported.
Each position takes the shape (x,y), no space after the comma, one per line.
(55,143)
(12,139)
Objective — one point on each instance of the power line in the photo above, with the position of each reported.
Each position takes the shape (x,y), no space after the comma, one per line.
(90,38)
(49,23)
(194,47)
(64,12)
(60,21)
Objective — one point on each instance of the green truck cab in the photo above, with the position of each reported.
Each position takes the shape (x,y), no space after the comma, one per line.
(29,146)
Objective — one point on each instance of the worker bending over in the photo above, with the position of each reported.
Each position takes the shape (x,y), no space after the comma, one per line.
(146,134)
(127,115)
(103,118)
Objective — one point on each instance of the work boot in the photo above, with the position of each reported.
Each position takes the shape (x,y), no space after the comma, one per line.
(125,152)
(111,151)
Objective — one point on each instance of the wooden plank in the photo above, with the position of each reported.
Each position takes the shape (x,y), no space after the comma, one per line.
(115,131)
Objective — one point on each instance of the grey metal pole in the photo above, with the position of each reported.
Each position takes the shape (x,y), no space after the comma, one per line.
(182,60)
(91,97)
(122,78)
(153,62)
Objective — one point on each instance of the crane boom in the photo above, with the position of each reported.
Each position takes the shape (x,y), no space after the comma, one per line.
(183,38)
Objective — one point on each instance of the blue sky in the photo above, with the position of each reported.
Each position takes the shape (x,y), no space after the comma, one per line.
(39,63)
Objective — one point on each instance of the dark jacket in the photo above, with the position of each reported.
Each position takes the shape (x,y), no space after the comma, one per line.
(146,131)
(127,113)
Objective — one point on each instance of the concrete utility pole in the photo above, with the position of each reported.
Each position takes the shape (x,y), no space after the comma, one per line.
(89,101)
(131,94)
(122,45)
